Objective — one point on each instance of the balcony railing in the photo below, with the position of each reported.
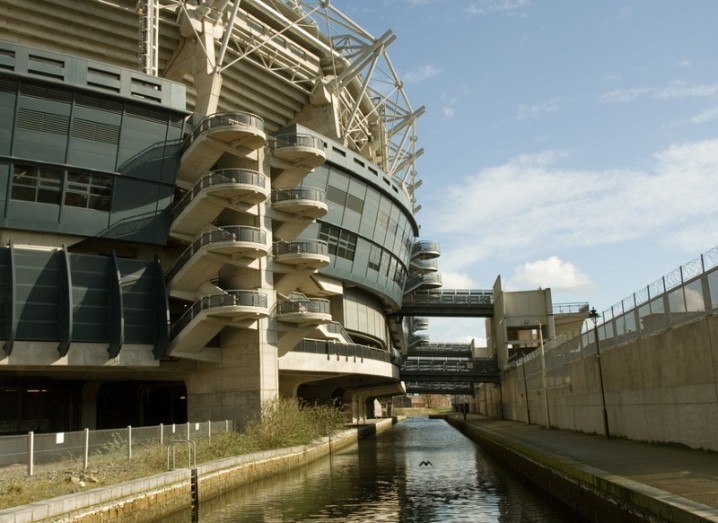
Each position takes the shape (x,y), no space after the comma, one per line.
(342,349)
(296,140)
(303,305)
(231,298)
(218,120)
(301,247)
(425,249)
(218,178)
(300,193)
(221,235)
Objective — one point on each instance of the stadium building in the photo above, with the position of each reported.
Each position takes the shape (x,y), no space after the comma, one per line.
(205,205)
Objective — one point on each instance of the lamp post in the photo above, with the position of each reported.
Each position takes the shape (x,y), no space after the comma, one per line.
(594,316)
(543,378)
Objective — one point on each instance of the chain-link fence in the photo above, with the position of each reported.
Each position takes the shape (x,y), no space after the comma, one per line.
(59,450)
(685,294)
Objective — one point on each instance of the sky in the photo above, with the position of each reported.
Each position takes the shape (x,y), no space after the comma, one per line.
(570,145)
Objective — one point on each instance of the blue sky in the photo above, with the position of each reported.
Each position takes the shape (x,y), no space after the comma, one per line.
(571,145)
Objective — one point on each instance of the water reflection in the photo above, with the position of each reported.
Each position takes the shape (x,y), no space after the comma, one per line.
(384,480)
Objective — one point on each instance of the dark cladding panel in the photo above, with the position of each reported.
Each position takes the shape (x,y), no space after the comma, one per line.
(89,297)
(138,300)
(8,97)
(39,280)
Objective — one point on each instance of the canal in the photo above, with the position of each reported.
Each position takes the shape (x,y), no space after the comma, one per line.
(422,470)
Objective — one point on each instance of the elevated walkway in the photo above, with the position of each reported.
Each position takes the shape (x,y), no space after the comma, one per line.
(449,303)
(605,479)
(451,370)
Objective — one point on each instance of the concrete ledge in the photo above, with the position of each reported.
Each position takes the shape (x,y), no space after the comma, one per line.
(597,494)
(163,494)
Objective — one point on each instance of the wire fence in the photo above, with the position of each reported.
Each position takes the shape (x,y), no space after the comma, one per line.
(61,450)
(685,294)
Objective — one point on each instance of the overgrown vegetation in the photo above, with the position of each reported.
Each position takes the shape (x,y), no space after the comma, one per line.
(283,423)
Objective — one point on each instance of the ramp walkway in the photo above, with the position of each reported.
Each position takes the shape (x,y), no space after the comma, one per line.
(650,481)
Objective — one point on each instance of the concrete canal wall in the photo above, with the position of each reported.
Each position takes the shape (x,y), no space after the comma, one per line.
(661,387)
(598,494)
(163,494)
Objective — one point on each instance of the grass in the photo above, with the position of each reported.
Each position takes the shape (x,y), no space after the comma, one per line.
(283,423)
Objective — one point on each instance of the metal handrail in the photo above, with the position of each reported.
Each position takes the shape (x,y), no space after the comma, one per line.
(225,119)
(425,246)
(300,193)
(451,296)
(301,247)
(570,308)
(342,349)
(220,177)
(245,298)
(295,140)
(303,305)
(236,233)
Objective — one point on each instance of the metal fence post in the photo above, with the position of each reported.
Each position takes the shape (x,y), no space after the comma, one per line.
(86,452)
(30,453)
(129,442)
(209,432)
(162,434)
(189,428)
(226,425)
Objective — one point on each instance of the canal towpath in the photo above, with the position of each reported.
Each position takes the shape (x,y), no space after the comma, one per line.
(678,483)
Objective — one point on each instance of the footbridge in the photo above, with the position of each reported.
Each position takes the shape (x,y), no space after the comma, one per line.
(446,368)
(449,303)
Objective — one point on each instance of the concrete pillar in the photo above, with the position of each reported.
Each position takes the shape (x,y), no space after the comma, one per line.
(236,388)
(88,410)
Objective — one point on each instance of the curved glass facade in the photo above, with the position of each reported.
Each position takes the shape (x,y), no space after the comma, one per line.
(369,231)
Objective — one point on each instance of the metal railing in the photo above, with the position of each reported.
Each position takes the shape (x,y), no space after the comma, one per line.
(295,140)
(301,247)
(300,193)
(347,350)
(224,120)
(425,247)
(451,296)
(570,308)
(685,294)
(303,304)
(232,233)
(426,265)
(218,178)
(337,328)
(87,448)
(244,298)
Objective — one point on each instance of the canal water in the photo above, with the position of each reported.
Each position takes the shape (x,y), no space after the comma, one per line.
(422,470)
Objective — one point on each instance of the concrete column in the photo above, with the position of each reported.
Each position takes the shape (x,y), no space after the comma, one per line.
(88,413)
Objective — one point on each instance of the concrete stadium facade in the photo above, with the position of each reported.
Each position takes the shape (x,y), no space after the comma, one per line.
(206,205)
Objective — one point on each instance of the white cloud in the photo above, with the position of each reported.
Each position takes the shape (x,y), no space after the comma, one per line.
(533,203)
(551,272)
(684,63)
(536,110)
(625,13)
(457,280)
(422,73)
(497,6)
(448,112)
(706,116)
(678,90)
(457,330)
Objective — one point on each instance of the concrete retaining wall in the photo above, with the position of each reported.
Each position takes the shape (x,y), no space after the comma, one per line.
(659,388)
(595,494)
(163,494)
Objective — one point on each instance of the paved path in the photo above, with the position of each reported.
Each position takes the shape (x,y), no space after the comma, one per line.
(690,474)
